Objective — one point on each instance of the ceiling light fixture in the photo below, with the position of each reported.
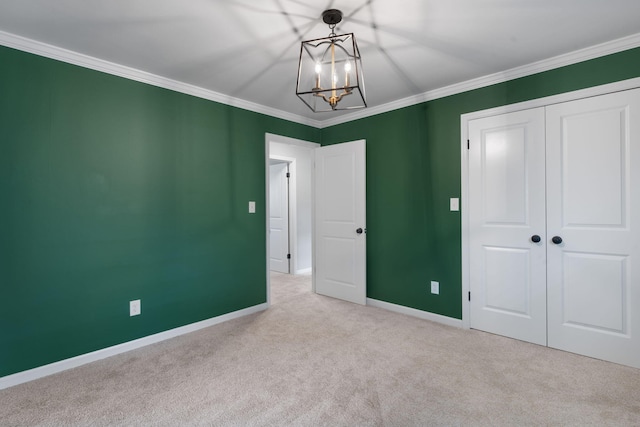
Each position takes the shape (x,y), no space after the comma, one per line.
(330,70)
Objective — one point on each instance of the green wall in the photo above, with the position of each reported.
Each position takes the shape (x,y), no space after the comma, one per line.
(413,168)
(114,190)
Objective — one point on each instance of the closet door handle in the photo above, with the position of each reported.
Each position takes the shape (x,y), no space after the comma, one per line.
(535,238)
(556,239)
(359,231)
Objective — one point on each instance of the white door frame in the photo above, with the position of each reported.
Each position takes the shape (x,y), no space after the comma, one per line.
(464,161)
(269,137)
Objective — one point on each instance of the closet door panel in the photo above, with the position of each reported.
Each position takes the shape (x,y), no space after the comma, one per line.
(507,208)
(593,206)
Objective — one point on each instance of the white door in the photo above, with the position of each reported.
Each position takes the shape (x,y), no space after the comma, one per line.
(340,238)
(506,209)
(278,218)
(593,198)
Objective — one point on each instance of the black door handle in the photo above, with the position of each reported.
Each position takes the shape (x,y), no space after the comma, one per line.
(556,239)
(359,231)
(535,238)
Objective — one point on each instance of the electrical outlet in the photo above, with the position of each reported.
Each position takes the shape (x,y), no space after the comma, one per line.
(252,207)
(134,308)
(435,287)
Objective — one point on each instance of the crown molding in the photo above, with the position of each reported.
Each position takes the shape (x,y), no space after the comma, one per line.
(86,61)
(575,57)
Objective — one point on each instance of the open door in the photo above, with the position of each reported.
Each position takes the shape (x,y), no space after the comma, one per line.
(340,221)
(279,217)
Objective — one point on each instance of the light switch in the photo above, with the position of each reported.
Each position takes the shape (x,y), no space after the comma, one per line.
(454,204)
(252,207)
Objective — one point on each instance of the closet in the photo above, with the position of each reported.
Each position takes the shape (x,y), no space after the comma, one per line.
(554,225)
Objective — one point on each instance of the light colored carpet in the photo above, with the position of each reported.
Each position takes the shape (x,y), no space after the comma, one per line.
(311,360)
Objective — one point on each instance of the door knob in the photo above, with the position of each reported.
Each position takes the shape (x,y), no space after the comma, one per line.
(556,239)
(535,238)
(359,231)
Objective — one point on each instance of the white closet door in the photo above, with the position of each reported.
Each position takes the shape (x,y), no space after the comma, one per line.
(593,199)
(507,208)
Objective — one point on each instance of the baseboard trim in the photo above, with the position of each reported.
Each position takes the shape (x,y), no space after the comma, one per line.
(438,318)
(83,359)
(303,271)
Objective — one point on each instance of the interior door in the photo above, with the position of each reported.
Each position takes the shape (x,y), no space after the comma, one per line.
(279,218)
(340,228)
(506,212)
(593,197)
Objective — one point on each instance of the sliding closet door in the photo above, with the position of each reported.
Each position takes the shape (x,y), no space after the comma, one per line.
(506,213)
(593,234)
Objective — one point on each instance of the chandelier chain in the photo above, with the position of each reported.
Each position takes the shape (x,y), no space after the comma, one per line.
(332,27)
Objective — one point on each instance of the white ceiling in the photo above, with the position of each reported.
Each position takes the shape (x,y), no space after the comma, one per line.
(249,49)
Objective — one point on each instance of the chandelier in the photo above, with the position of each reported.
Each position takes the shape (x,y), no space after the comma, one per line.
(330,70)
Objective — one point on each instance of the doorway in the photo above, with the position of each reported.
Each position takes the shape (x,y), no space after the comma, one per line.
(299,157)
(337,218)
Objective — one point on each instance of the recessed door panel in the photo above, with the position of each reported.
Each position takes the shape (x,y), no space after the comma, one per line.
(340,257)
(594,163)
(506,281)
(504,173)
(340,204)
(593,292)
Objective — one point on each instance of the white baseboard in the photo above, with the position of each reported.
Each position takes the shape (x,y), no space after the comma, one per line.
(438,318)
(303,271)
(63,365)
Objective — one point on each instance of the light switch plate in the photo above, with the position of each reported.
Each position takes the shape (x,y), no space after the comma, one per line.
(134,308)
(252,207)
(435,287)
(454,204)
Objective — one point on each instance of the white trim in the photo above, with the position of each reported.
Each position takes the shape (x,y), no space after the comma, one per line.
(304,271)
(291,141)
(83,359)
(559,61)
(68,56)
(425,315)
(464,161)
(86,61)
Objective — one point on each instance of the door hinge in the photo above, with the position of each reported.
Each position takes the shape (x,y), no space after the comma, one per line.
(467,144)
(288,256)
(469,296)
(288,175)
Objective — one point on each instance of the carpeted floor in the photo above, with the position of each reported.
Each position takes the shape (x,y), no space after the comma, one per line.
(311,360)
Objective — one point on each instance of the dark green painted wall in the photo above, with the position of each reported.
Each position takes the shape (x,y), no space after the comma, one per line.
(413,168)
(114,190)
